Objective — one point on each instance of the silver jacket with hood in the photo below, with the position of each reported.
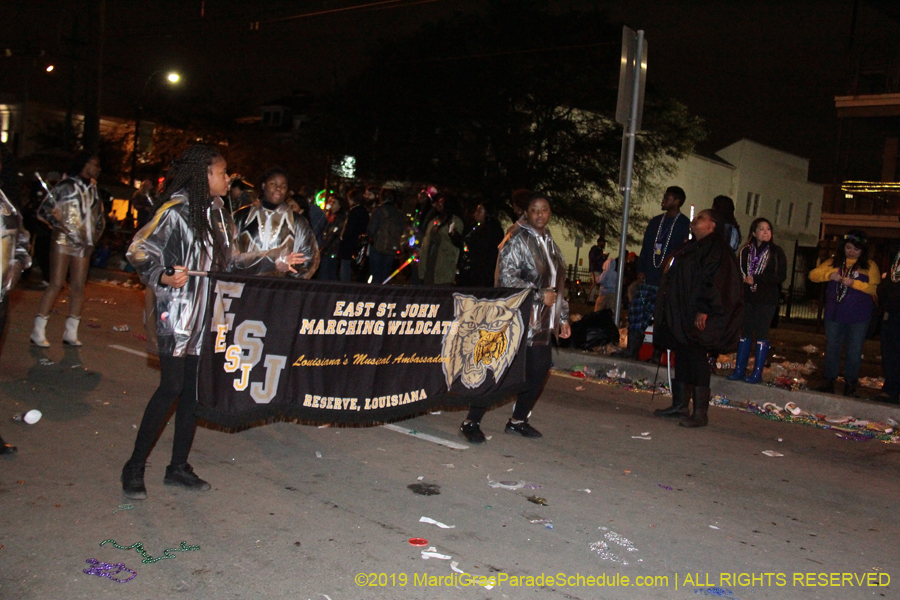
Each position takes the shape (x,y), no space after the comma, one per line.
(530,260)
(263,229)
(168,241)
(75,212)
(14,256)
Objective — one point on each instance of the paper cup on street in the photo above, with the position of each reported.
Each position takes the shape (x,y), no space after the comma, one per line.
(32,416)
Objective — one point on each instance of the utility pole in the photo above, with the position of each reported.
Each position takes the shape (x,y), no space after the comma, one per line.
(632,79)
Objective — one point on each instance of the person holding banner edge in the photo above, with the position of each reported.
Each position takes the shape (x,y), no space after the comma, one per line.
(531,259)
(190,232)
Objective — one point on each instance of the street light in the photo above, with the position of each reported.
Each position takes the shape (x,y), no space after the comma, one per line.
(173,78)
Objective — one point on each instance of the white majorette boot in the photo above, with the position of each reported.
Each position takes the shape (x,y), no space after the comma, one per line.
(70,337)
(38,334)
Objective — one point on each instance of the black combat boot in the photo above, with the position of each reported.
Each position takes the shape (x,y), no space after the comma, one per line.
(681,395)
(699,418)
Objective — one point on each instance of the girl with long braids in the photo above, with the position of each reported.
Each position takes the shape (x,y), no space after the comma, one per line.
(764,269)
(849,300)
(75,212)
(190,231)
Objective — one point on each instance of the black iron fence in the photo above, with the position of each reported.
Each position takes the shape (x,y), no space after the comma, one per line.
(578,284)
(801,301)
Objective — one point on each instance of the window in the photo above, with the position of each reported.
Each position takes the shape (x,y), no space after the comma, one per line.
(777,211)
(271,117)
(755,204)
(749,203)
(790,216)
(808,215)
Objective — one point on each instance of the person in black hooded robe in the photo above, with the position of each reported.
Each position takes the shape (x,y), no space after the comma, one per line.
(699,310)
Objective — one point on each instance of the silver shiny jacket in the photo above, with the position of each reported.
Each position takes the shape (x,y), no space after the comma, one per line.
(168,241)
(14,256)
(263,229)
(74,209)
(529,260)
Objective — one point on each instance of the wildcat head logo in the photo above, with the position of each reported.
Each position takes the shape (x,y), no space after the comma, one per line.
(485,335)
(491,345)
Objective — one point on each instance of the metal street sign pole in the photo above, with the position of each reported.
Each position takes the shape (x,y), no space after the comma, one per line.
(636,79)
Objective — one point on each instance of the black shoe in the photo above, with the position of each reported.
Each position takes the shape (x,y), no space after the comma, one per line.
(633,346)
(673,411)
(184,476)
(133,481)
(700,416)
(523,429)
(681,398)
(472,432)
(850,389)
(827,387)
(7,448)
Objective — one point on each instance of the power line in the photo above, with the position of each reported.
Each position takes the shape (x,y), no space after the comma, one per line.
(381,4)
(513,52)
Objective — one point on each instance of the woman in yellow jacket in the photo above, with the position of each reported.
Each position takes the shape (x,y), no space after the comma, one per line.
(849,299)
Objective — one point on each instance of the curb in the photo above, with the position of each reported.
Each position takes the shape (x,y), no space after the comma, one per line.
(812,402)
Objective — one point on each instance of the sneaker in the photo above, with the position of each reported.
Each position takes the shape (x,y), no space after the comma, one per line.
(133,481)
(184,476)
(523,429)
(472,432)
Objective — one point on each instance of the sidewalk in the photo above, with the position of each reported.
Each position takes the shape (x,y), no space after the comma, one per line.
(809,401)
(790,342)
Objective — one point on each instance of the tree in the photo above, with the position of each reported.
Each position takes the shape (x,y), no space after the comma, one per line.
(517,97)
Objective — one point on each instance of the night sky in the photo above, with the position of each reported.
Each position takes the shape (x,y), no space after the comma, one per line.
(764,70)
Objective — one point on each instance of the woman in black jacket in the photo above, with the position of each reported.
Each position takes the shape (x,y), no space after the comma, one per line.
(698,310)
(330,263)
(764,268)
(481,249)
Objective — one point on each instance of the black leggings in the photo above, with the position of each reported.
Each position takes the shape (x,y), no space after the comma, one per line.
(538,360)
(692,365)
(177,381)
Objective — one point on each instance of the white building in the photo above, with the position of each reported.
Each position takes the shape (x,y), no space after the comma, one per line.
(762,181)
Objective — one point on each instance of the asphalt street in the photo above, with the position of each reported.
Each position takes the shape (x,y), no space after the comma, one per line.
(650,509)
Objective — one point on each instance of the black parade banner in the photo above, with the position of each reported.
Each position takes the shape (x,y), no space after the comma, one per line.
(327,352)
